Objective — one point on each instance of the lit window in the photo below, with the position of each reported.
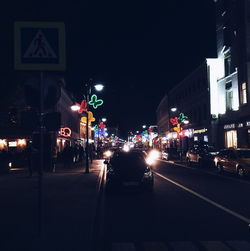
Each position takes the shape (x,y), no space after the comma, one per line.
(243,93)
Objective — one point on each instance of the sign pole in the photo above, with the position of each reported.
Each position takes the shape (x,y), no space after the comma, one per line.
(40,172)
(87,135)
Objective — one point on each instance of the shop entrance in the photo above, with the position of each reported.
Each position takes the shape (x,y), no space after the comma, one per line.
(231,138)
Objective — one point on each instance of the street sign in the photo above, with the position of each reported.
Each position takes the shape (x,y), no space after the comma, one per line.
(39,46)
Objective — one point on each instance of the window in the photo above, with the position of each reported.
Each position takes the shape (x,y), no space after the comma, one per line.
(227,64)
(229,100)
(243,93)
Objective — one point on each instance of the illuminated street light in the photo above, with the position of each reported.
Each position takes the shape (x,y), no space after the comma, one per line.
(95,103)
(104,119)
(99,87)
(173,109)
(75,108)
(144,126)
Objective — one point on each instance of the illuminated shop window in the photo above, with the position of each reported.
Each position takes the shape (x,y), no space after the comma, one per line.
(243,93)
(231,138)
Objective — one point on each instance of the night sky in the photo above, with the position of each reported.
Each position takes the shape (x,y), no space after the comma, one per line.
(138,49)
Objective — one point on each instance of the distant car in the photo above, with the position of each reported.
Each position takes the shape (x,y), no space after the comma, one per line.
(234,160)
(128,170)
(170,154)
(202,156)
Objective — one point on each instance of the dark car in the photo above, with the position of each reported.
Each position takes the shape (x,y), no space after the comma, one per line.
(234,160)
(170,154)
(202,156)
(128,170)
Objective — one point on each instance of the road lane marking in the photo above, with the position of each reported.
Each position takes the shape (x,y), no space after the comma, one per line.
(208,172)
(243,218)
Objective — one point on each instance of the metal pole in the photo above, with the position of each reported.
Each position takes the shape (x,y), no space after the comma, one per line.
(87,133)
(87,145)
(40,172)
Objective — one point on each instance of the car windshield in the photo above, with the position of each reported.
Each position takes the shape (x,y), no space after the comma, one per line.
(243,154)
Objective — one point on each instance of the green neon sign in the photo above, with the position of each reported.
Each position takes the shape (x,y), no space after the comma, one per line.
(95,102)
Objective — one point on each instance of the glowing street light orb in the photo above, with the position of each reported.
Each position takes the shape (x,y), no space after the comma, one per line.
(174,109)
(75,108)
(99,87)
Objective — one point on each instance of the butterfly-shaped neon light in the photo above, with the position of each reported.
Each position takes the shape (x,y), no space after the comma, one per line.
(174,121)
(83,107)
(182,117)
(90,117)
(178,128)
(95,102)
(102,125)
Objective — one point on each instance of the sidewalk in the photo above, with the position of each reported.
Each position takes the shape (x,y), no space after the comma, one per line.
(69,201)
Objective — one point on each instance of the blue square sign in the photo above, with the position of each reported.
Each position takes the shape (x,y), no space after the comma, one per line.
(39,46)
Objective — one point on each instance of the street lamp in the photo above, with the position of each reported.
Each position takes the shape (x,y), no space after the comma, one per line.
(144,126)
(84,108)
(98,87)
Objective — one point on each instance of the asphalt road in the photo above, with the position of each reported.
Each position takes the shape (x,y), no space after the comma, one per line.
(190,209)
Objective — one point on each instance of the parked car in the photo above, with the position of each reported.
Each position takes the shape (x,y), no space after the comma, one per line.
(170,154)
(128,170)
(202,156)
(234,160)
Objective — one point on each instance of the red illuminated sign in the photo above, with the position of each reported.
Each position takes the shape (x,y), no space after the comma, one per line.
(65,131)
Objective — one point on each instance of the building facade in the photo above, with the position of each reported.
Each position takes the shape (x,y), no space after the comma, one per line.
(183,115)
(215,97)
(232,73)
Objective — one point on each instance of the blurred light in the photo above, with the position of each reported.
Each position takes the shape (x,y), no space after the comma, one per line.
(21,142)
(144,126)
(75,108)
(104,119)
(174,109)
(99,87)
(3,143)
(186,122)
(107,154)
(154,154)
(10,164)
(126,148)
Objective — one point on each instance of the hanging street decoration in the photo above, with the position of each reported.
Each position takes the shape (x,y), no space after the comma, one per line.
(182,117)
(177,128)
(102,125)
(95,102)
(174,121)
(90,117)
(83,107)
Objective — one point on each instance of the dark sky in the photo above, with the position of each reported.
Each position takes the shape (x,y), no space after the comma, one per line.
(138,49)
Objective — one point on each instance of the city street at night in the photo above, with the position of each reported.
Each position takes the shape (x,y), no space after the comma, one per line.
(125,125)
(189,209)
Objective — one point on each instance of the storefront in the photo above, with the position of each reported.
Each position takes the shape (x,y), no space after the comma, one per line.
(201,135)
(237,134)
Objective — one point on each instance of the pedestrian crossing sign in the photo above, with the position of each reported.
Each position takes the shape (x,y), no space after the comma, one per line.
(39,46)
